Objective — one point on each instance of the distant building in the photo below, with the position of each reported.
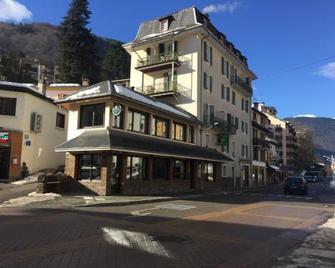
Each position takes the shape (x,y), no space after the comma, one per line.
(31,125)
(182,58)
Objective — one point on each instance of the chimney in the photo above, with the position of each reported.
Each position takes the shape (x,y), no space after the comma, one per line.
(85,82)
(42,85)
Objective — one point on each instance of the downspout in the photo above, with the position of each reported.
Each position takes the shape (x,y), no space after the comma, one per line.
(201,82)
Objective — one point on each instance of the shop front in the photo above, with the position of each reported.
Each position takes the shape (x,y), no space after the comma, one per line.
(133,164)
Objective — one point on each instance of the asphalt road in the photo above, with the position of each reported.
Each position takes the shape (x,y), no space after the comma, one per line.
(241,230)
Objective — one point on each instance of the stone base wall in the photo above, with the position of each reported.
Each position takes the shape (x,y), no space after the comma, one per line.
(218,185)
(97,187)
(155,187)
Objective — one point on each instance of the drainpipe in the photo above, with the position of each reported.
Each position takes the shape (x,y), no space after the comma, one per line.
(201,82)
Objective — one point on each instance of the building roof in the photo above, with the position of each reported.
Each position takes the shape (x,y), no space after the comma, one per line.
(24,88)
(107,88)
(124,141)
(183,20)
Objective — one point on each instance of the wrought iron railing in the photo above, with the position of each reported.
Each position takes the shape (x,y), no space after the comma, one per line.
(236,80)
(157,59)
(162,87)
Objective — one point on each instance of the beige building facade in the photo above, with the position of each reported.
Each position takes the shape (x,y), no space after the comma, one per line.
(31,125)
(184,60)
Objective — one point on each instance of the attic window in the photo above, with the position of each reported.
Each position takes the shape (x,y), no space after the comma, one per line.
(164,25)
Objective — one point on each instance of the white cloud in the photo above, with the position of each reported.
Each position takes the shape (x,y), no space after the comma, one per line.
(327,70)
(306,115)
(13,11)
(226,7)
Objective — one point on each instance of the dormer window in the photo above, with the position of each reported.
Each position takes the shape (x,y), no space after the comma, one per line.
(164,25)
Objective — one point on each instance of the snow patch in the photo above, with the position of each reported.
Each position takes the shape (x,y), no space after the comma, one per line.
(31,198)
(136,96)
(306,115)
(27,180)
(64,85)
(85,93)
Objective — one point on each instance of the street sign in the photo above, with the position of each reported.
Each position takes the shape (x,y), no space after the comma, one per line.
(4,137)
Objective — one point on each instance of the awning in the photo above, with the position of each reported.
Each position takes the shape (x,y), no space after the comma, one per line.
(124,141)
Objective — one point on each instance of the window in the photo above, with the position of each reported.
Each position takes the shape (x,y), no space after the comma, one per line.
(205,51)
(161,169)
(205,114)
(210,84)
(224,171)
(228,94)
(236,122)
(246,127)
(227,69)
(179,131)
(211,55)
(92,115)
(137,121)
(179,169)
(242,150)
(207,140)
(208,171)
(60,120)
(233,97)
(164,25)
(118,115)
(205,81)
(246,106)
(7,106)
(242,104)
(211,114)
(222,91)
(89,166)
(135,168)
(192,135)
(222,65)
(242,126)
(246,151)
(160,127)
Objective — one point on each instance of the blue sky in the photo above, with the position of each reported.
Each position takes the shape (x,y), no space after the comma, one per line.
(290,44)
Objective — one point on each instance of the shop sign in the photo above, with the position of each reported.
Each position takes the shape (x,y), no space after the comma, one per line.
(4,137)
(223,139)
(117,109)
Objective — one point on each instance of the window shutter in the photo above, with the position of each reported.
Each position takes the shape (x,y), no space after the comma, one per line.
(175,46)
(205,51)
(211,55)
(222,91)
(210,83)
(205,80)
(222,65)
(242,104)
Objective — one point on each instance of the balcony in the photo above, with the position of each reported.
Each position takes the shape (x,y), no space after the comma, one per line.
(261,143)
(240,84)
(224,126)
(157,62)
(163,90)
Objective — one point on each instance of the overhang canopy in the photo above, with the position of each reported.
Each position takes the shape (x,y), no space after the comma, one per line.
(123,141)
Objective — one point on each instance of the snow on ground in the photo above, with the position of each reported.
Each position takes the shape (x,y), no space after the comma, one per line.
(31,198)
(317,250)
(30,179)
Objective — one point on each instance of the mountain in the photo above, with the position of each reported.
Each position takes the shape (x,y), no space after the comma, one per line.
(322,129)
(40,41)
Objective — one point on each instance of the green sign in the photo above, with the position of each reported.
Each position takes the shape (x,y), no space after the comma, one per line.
(223,139)
(4,137)
(117,109)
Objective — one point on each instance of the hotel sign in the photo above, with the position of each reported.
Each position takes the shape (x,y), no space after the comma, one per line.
(4,137)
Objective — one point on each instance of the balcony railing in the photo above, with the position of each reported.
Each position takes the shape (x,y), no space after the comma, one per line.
(163,89)
(260,142)
(157,62)
(227,127)
(240,83)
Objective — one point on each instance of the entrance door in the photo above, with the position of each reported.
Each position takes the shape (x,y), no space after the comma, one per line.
(115,174)
(4,163)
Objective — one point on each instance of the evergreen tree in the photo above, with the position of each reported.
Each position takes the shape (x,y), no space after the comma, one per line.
(116,64)
(77,51)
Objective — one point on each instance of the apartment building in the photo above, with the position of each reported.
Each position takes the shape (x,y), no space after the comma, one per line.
(31,125)
(285,136)
(261,147)
(182,59)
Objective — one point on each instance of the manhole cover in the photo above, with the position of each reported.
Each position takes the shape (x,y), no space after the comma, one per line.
(171,238)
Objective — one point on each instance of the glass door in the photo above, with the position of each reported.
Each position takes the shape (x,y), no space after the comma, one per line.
(115,174)
(4,163)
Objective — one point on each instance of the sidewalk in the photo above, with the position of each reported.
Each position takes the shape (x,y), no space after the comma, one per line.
(317,250)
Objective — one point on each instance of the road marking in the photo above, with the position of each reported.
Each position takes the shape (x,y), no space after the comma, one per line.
(269,216)
(142,212)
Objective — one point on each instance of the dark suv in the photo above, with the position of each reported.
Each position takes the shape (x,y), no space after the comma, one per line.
(296,185)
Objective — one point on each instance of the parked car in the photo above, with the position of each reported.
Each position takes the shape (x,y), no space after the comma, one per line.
(311,179)
(295,184)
